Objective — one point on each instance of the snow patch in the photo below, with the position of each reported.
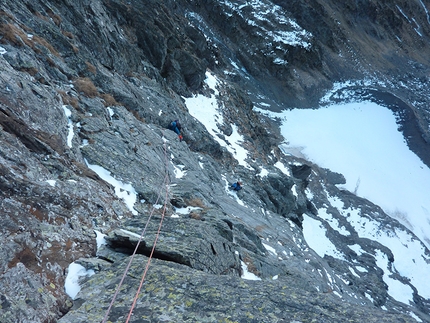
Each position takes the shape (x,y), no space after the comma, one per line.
(315,236)
(208,112)
(246,274)
(71,133)
(126,192)
(75,271)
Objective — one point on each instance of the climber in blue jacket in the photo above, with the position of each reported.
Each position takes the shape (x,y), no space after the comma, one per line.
(236,186)
(176,127)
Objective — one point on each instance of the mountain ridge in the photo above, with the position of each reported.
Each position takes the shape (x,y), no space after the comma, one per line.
(97,82)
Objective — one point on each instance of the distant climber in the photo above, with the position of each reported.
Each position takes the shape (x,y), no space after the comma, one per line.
(176,127)
(236,186)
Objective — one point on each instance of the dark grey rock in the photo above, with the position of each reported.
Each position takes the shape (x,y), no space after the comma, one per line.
(139,60)
(179,294)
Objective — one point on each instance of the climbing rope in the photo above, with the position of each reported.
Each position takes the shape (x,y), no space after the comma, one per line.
(150,257)
(166,186)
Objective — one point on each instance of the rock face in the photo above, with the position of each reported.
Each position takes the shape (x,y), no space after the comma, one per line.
(195,296)
(90,85)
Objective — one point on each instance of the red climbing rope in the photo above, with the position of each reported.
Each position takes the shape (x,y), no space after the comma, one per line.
(150,257)
(164,185)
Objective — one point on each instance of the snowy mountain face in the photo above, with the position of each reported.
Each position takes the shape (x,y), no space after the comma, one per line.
(319,108)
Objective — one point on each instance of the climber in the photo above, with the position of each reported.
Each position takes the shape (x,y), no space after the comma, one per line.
(176,127)
(236,186)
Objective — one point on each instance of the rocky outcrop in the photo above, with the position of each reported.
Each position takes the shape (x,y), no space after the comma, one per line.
(90,85)
(175,293)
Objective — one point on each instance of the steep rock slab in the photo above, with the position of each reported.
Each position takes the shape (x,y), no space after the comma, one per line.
(174,293)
